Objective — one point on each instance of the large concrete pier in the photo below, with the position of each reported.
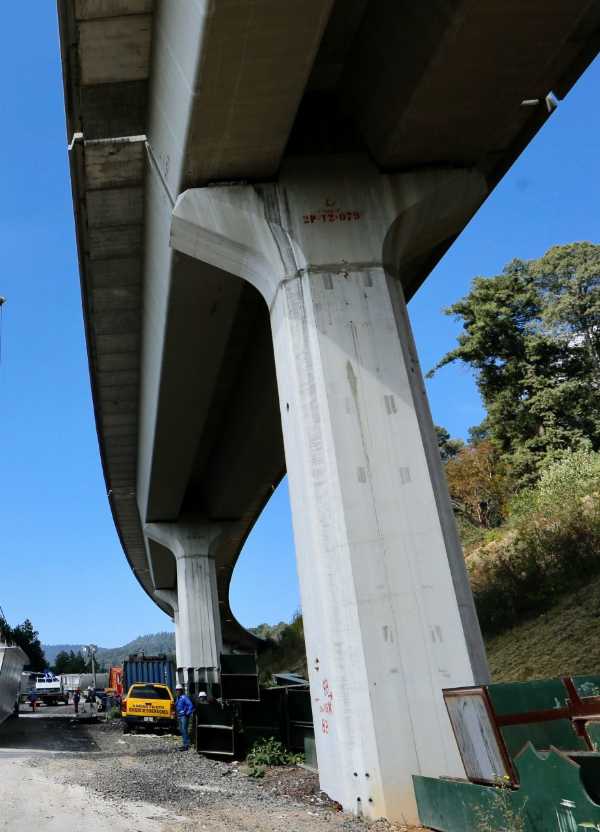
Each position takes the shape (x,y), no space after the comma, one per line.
(388,614)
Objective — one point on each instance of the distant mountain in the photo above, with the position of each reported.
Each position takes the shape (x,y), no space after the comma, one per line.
(51,651)
(151,645)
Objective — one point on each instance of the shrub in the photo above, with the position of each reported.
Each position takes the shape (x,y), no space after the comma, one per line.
(269,752)
(552,544)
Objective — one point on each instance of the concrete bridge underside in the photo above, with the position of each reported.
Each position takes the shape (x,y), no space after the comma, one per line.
(239,167)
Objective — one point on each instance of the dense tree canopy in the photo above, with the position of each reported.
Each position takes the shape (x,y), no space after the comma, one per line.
(71,662)
(448,447)
(25,637)
(532,336)
(479,484)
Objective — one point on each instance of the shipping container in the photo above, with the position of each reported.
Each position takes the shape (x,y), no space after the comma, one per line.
(70,681)
(158,670)
(86,680)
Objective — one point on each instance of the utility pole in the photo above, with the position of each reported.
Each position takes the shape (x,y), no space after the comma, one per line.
(91,649)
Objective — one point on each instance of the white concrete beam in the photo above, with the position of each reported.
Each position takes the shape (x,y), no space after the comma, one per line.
(240,71)
(116,49)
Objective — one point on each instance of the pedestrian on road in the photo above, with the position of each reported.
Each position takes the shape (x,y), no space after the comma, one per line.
(91,698)
(76,698)
(185,708)
(32,700)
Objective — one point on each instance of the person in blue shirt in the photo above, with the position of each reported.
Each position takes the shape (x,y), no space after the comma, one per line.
(184,708)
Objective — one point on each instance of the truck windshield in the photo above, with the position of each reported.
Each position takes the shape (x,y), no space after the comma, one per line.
(149,692)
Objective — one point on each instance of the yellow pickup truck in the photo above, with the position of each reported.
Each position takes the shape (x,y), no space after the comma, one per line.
(148,705)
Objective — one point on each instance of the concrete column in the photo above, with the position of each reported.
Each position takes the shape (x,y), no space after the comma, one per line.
(170,597)
(198,623)
(388,614)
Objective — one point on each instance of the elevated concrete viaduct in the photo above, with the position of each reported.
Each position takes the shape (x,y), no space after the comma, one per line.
(259,188)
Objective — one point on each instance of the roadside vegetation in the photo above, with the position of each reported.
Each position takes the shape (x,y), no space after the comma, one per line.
(547,546)
(268,753)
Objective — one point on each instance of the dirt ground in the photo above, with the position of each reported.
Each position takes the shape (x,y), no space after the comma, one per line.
(59,772)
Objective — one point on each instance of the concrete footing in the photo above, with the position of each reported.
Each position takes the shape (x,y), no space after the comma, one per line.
(388,614)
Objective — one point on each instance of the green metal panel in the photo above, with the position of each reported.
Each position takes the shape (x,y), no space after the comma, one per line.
(593,731)
(551,798)
(557,732)
(511,698)
(589,763)
(587,685)
(522,697)
(451,806)
(556,796)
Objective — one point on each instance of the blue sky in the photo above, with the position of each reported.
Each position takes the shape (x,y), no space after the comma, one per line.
(62,565)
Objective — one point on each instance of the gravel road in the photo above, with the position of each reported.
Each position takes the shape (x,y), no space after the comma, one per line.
(145,783)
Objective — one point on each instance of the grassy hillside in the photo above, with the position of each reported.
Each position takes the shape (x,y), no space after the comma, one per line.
(561,641)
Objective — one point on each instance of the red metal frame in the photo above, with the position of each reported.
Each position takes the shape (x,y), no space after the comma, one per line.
(482,693)
(577,709)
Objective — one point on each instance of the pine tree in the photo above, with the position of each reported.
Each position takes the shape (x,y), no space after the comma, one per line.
(532,336)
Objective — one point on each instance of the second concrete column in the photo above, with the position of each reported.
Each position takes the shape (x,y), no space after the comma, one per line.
(199,639)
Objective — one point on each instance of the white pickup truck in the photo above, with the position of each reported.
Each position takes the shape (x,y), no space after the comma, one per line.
(48,689)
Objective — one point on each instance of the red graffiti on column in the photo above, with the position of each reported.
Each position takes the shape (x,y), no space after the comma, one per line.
(326,706)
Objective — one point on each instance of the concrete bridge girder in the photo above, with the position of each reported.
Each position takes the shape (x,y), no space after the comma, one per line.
(388,612)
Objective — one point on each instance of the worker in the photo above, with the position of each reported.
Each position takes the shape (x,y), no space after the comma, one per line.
(185,708)
(90,698)
(76,698)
